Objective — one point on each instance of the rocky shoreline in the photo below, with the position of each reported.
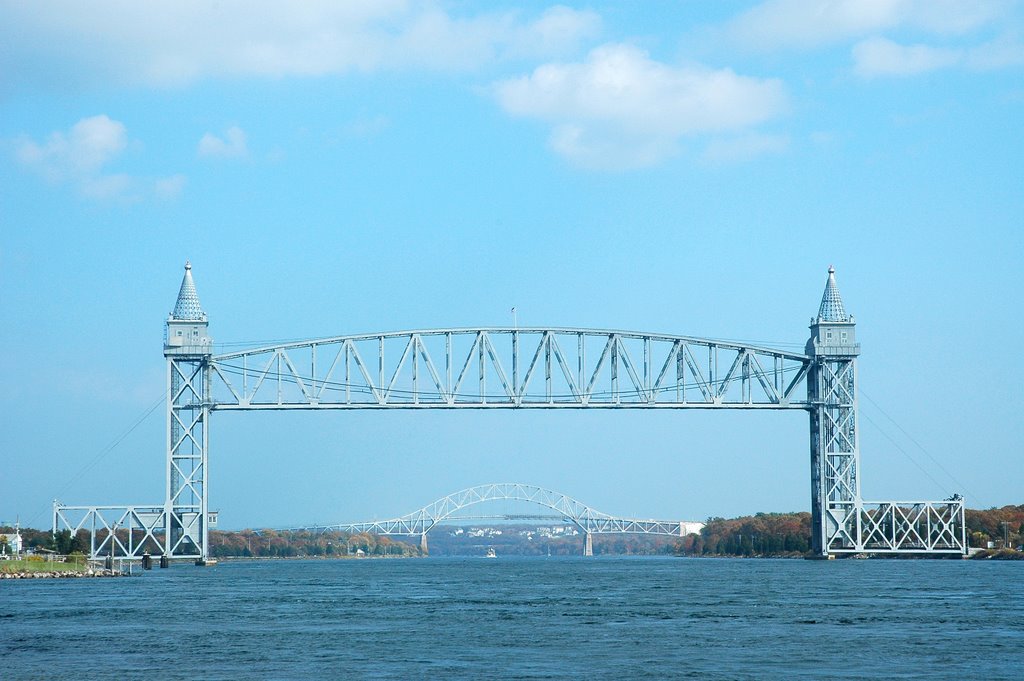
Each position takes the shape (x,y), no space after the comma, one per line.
(60,574)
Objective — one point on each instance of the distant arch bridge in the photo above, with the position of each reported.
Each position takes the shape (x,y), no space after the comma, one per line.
(590,521)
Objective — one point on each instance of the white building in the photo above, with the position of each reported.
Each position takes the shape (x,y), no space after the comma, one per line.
(13,545)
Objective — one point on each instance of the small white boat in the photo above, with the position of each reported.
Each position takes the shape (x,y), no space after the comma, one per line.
(491,553)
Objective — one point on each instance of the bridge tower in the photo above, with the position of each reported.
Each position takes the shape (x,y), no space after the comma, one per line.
(187,348)
(198,384)
(835,448)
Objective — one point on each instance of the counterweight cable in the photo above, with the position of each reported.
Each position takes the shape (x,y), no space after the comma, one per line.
(912,439)
(99,456)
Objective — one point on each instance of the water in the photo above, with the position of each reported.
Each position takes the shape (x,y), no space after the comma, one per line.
(524,618)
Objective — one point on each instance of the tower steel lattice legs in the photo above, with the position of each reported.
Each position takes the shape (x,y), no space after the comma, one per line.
(835,457)
(185,506)
(841,521)
(188,350)
(835,450)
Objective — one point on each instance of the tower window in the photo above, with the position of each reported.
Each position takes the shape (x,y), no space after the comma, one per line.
(844,337)
(828,335)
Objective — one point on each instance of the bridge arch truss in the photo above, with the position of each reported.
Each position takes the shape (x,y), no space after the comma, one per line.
(508,367)
(587,519)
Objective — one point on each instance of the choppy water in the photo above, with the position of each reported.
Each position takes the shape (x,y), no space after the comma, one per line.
(605,618)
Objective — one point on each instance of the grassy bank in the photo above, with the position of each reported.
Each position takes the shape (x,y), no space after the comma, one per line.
(33,566)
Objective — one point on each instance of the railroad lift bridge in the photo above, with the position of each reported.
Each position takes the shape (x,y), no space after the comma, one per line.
(517,368)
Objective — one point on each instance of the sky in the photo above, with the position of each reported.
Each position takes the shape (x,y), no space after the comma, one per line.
(678,167)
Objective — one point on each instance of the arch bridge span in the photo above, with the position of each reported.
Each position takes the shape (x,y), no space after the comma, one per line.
(590,521)
(540,367)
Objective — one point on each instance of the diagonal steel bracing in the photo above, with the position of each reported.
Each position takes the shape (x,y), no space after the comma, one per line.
(521,368)
(506,367)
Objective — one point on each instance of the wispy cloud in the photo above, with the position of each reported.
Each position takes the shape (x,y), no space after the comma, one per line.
(169,187)
(882,57)
(873,29)
(80,152)
(804,24)
(1004,52)
(81,156)
(621,109)
(879,57)
(231,145)
(171,44)
(744,147)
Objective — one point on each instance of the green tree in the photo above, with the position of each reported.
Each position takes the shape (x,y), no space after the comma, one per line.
(62,542)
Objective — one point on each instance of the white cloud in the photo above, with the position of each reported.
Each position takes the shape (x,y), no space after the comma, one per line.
(102,187)
(608,148)
(1003,52)
(621,109)
(169,44)
(801,24)
(169,187)
(81,157)
(882,57)
(81,152)
(879,57)
(744,147)
(232,145)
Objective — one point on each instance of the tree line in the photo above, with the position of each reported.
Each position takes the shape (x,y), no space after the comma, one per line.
(988,526)
(763,534)
(787,534)
(290,544)
(62,542)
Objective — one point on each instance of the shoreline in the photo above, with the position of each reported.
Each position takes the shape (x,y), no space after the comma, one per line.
(231,559)
(61,574)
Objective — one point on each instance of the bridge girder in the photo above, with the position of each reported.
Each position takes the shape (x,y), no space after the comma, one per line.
(525,368)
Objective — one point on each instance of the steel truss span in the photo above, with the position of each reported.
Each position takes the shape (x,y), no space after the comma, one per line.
(589,520)
(513,368)
(119,531)
(912,526)
(508,367)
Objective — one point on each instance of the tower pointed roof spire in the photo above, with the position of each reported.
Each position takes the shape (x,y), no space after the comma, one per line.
(187,307)
(831,309)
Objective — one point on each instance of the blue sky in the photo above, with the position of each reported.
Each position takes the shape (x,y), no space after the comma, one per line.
(682,167)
